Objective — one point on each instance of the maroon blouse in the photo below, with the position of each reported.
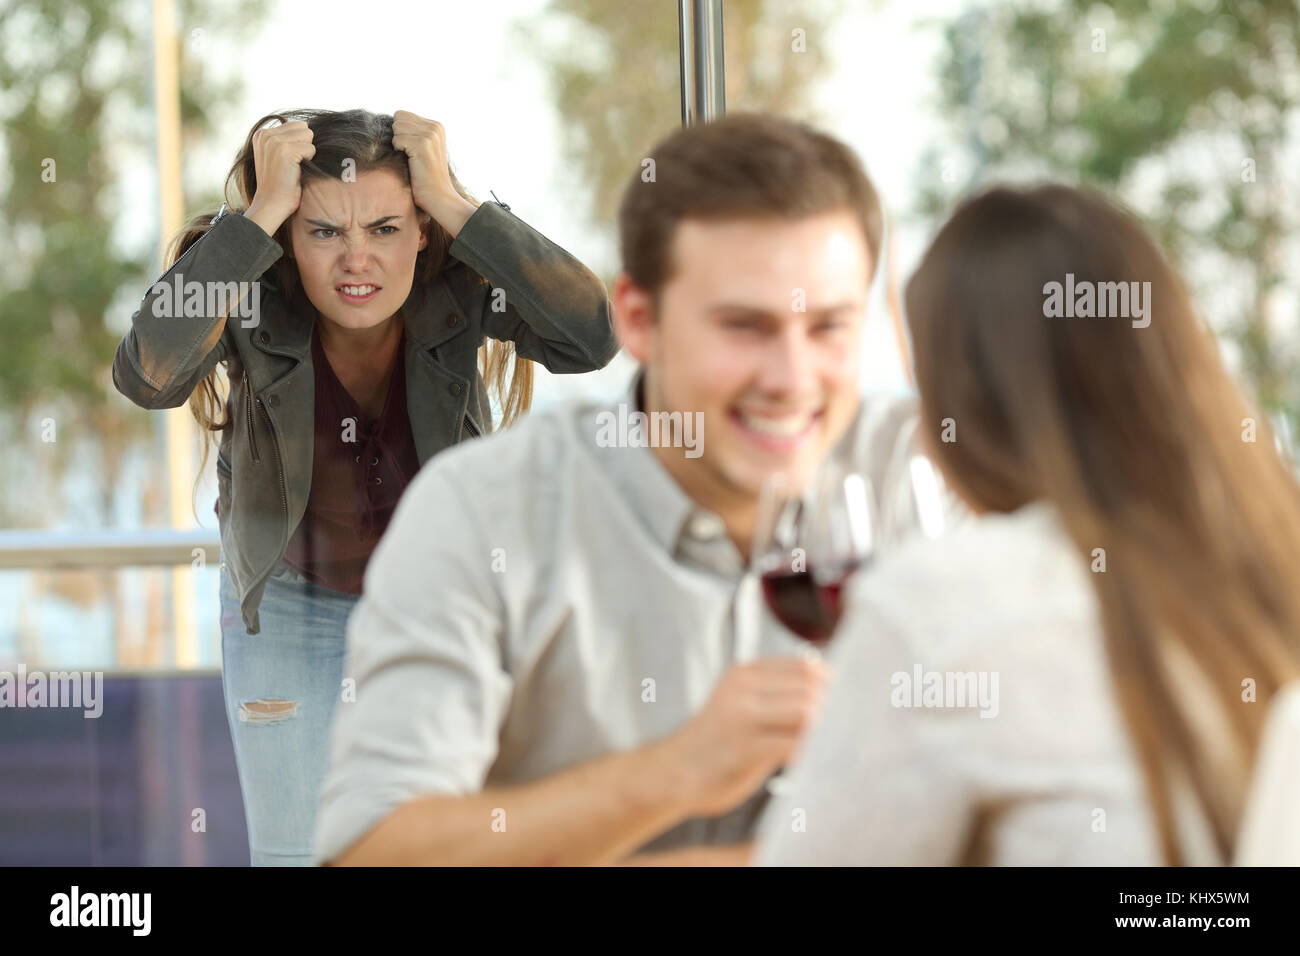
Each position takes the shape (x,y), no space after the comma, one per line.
(356,480)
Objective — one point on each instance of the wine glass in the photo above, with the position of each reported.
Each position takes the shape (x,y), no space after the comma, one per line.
(1284,439)
(929,496)
(808,543)
(806,546)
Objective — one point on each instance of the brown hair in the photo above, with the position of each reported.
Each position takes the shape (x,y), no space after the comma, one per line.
(1135,435)
(745,165)
(366,140)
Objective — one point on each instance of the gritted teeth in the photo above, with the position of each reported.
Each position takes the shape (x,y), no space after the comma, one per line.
(358,289)
(783,426)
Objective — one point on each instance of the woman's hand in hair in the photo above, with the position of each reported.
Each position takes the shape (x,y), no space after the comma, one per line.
(425,143)
(278,153)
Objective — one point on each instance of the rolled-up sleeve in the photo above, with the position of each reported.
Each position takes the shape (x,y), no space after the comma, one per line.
(424,690)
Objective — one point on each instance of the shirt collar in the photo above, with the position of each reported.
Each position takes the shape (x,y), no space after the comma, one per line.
(676,521)
(655,495)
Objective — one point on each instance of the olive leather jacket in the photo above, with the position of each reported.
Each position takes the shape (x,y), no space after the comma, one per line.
(556,311)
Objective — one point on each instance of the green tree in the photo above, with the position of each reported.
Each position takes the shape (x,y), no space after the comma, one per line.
(615,71)
(76,105)
(77,108)
(1184,108)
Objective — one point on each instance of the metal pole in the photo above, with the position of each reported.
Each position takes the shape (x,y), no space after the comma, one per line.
(180,429)
(703,72)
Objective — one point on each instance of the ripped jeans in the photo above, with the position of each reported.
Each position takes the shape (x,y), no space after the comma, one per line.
(281,686)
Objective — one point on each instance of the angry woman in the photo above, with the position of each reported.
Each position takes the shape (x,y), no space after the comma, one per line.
(391,308)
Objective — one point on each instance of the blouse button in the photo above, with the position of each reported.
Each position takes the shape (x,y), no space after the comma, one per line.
(378,480)
(357,459)
(374,461)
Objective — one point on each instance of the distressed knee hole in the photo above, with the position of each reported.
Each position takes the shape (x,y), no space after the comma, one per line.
(267,710)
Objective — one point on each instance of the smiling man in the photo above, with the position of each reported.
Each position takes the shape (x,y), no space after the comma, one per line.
(593,679)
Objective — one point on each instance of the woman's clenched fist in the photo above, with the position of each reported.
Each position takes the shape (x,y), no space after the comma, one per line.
(278,153)
(425,143)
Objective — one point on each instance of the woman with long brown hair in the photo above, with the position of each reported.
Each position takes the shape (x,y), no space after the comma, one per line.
(350,290)
(1081,674)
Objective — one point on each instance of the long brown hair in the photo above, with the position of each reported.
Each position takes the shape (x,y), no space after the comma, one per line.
(1147,449)
(365,140)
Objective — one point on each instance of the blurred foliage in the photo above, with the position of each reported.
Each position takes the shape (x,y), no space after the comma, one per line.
(76,91)
(616,77)
(1184,108)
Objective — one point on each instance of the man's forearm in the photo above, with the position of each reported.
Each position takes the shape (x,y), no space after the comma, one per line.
(598,812)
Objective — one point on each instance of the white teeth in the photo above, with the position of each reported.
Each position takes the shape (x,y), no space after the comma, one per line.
(358,289)
(786,427)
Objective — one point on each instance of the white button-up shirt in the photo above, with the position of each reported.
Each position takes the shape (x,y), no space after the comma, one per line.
(540,601)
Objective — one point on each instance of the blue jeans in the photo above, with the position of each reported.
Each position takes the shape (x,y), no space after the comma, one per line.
(281,686)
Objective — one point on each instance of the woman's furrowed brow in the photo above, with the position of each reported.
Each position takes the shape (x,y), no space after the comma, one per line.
(321,224)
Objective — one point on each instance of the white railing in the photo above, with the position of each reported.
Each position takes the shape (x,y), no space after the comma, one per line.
(65,550)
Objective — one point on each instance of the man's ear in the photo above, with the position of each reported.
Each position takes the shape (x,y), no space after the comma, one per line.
(634,319)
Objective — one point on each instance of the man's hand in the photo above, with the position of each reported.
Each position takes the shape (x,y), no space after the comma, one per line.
(746,730)
(425,143)
(601,811)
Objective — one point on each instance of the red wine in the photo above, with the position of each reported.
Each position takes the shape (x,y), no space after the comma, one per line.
(808,607)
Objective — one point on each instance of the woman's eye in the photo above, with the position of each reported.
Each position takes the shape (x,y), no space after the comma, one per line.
(317,233)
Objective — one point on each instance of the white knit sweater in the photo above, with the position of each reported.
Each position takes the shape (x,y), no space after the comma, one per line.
(971,717)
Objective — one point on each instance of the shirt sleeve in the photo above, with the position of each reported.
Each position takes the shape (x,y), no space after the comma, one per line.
(875,783)
(424,650)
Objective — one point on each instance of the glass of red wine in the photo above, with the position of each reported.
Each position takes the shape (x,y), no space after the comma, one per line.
(808,543)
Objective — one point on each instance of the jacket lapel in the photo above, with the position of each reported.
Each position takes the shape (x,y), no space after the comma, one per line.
(436,398)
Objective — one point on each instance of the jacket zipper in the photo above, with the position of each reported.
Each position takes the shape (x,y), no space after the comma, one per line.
(279,465)
(275,447)
(248,402)
(473,429)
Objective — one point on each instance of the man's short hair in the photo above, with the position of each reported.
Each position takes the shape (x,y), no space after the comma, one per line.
(743,166)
